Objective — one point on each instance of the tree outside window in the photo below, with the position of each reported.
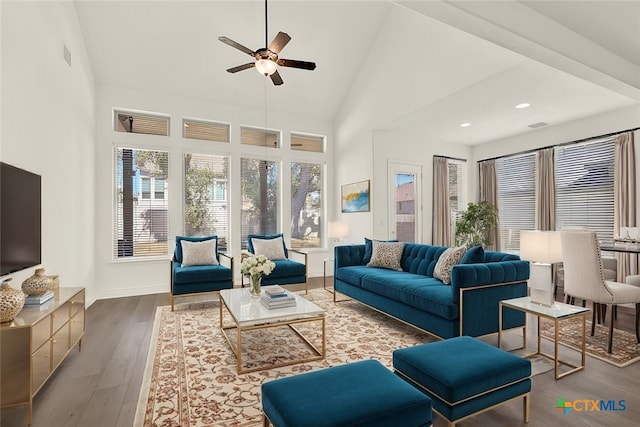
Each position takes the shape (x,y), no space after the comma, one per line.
(306,205)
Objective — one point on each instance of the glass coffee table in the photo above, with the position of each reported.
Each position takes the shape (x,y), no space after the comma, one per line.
(556,313)
(249,314)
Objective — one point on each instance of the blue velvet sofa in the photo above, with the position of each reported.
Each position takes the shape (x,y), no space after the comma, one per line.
(467,306)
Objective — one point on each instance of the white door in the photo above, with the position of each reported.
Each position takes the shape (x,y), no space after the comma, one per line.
(405,202)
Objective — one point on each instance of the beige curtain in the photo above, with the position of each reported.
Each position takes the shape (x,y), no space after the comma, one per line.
(489,193)
(545,190)
(624,189)
(441,222)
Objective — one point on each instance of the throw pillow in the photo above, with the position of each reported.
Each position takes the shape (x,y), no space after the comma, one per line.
(447,260)
(386,255)
(271,248)
(368,249)
(250,238)
(474,255)
(199,253)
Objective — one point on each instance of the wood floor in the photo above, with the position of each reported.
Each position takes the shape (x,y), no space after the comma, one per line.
(99,386)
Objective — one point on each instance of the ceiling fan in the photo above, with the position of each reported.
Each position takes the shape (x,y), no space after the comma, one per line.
(266,58)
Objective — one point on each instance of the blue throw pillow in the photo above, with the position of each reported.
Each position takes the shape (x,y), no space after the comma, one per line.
(177,255)
(368,249)
(475,255)
(266,237)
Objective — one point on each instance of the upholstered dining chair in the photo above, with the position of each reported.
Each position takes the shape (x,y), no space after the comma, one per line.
(584,278)
(287,271)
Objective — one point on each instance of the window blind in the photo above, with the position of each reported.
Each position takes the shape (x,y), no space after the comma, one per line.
(516,198)
(584,186)
(141,123)
(259,186)
(206,131)
(259,137)
(142,204)
(307,143)
(206,205)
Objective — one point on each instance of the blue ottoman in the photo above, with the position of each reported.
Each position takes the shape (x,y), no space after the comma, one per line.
(464,376)
(363,393)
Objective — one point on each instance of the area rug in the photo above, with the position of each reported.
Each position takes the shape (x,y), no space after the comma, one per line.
(191,378)
(625,347)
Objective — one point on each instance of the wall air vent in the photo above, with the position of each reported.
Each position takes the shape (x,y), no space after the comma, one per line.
(538,125)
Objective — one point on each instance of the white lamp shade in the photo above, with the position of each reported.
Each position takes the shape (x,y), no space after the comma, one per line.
(338,230)
(266,66)
(540,246)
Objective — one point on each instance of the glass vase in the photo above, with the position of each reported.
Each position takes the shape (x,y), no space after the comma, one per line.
(256,282)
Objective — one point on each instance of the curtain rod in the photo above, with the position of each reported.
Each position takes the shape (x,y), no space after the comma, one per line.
(450,158)
(606,135)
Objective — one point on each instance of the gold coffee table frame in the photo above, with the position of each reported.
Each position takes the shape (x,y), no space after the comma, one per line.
(556,313)
(304,311)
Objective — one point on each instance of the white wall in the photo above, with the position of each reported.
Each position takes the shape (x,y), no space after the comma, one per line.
(135,277)
(48,127)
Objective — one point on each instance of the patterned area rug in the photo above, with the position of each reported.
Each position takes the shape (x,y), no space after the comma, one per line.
(625,347)
(191,378)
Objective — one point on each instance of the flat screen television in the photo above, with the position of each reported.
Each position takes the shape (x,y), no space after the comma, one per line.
(20,219)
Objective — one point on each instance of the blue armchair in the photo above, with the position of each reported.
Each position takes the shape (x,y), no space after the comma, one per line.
(196,267)
(287,271)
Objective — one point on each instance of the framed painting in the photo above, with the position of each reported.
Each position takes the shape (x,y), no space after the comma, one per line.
(355,197)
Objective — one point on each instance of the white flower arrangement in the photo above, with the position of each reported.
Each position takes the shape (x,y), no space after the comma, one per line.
(256,266)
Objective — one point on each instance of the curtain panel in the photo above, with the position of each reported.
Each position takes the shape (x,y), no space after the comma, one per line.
(625,199)
(441,222)
(545,190)
(489,193)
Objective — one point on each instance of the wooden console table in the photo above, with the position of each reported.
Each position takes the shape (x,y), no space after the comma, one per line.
(34,344)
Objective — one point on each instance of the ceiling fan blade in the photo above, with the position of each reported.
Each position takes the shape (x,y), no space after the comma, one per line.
(242,67)
(279,42)
(297,64)
(276,79)
(237,45)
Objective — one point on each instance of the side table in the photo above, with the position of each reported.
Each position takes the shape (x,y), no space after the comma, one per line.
(557,312)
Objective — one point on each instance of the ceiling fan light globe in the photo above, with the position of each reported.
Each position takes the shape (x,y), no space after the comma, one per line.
(266,67)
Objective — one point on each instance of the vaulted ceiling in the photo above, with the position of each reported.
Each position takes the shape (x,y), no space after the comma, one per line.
(408,63)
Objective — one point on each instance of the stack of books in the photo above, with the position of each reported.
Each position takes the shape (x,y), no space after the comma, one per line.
(36,300)
(277,297)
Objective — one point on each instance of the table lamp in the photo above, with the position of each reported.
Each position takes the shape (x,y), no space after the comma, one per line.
(338,230)
(541,249)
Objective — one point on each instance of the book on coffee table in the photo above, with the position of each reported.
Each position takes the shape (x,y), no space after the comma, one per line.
(270,303)
(274,290)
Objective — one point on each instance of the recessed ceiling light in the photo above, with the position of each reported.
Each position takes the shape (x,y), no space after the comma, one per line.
(465,125)
(523,105)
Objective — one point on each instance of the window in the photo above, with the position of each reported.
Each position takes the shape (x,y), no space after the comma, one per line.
(206,131)
(307,143)
(206,208)
(306,205)
(146,183)
(259,191)
(141,217)
(457,187)
(516,198)
(260,137)
(141,123)
(584,186)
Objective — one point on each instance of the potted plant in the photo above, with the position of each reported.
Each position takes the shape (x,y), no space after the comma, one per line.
(474,224)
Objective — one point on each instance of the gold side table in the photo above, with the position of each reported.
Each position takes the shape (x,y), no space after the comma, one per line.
(556,313)
(324,279)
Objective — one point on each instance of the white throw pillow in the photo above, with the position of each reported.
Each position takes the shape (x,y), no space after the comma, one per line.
(271,248)
(447,260)
(386,255)
(199,253)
